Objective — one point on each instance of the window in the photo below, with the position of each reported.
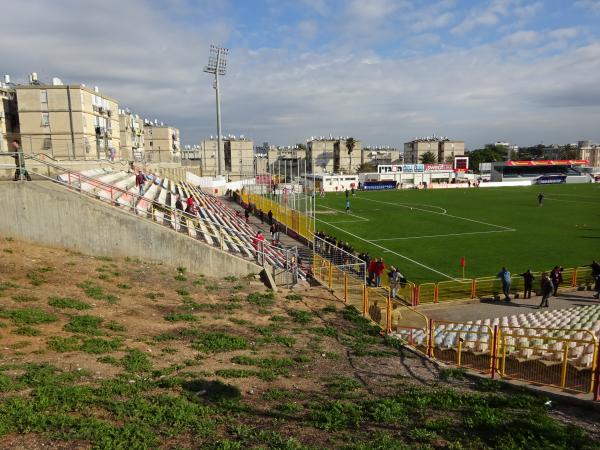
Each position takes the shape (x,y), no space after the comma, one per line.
(44,99)
(45,119)
(47,144)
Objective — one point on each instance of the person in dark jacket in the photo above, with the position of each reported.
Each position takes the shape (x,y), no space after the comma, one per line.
(596,275)
(547,288)
(270,217)
(528,283)
(504,276)
(178,212)
(556,277)
(20,170)
(140,179)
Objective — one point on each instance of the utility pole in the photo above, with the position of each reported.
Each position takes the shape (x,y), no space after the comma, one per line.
(217,63)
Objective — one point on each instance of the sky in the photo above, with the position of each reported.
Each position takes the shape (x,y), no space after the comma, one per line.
(382,71)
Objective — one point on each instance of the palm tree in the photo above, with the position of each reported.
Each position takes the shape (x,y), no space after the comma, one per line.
(350,144)
(428,158)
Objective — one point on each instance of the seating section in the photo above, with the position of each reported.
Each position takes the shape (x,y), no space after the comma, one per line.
(543,335)
(217,224)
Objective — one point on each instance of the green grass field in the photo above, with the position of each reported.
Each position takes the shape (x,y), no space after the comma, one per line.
(425,233)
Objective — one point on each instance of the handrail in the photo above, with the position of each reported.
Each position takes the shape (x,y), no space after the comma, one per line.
(267,251)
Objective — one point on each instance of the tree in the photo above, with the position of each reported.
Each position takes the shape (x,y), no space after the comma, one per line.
(301,146)
(350,144)
(366,168)
(491,153)
(449,159)
(568,152)
(428,158)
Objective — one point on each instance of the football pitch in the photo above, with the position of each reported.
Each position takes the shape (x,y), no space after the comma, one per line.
(426,232)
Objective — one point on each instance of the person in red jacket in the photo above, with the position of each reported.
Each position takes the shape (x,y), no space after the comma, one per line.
(372,269)
(379,268)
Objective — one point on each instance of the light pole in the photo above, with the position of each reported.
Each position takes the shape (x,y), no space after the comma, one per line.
(217,63)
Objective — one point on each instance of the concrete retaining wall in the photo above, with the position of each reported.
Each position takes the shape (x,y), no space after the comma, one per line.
(47,214)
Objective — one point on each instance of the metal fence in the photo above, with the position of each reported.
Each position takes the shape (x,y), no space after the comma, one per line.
(294,220)
(562,358)
(491,287)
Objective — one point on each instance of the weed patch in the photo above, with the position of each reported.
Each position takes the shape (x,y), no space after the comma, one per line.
(154,295)
(293,297)
(301,317)
(96,292)
(261,300)
(26,331)
(136,361)
(24,298)
(218,342)
(85,324)
(62,344)
(98,346)
(180,317)
(28,316)
(67,302)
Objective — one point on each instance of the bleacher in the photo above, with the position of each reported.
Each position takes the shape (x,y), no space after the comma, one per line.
(539,335)
(217,224)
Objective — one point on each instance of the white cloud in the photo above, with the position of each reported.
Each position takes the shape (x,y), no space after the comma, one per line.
(285,94)
(494,11)
(522,38)
(565,33)
(592,5)
(373,10)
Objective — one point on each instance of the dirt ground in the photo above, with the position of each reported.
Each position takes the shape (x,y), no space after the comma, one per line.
(157,309)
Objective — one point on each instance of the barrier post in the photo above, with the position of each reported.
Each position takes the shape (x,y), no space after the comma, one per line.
(494,350)
(574,279)
(345,287)
(436,293)
(330,274)
(388,314)
(563,372)
(460,341)
(473,288)
(365,300)
(596,379)
(503,365)
(415,301)
(430,339)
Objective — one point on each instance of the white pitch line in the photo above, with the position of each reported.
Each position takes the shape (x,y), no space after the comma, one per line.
(390,251)
(445,214)
(570,201)
(442,235)
(344,212)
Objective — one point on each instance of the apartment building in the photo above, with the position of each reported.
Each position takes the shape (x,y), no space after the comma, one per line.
(131,128)
(443,149)
(238,153)
(67,121)
(590,151)
(330,155)
(9,123)
(161,142)
(380,155)
(287,161)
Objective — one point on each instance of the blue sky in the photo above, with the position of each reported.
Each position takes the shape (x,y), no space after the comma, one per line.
(383,71)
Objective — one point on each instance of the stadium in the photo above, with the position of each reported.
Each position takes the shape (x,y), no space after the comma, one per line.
(203,288)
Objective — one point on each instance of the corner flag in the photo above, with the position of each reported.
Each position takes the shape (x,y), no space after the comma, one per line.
(462,262)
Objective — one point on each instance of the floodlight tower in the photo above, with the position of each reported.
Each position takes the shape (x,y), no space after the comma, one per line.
(217,63)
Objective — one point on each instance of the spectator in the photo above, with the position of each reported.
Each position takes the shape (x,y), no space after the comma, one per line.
(379,268)
(273,230)
(557,278)
(270,217)
(596,275)
(528,283)
(394,281)
(504,276)
(140,179)
(178,211)
(20,170)
(372,270)
(247,214)
(547,288)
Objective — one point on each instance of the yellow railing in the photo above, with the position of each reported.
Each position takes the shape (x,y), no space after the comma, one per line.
(491,287)
(554,357)
(291,218)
